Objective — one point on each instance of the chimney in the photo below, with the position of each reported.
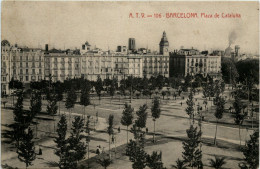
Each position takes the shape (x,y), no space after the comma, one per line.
(46,47)
(237,50)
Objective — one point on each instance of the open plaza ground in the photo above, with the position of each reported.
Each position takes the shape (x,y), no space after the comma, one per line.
(170,131)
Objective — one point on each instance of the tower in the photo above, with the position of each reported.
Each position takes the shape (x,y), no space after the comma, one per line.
(237,50)
(131,44)
(164,45)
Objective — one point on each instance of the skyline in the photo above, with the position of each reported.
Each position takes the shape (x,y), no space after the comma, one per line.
(107,25)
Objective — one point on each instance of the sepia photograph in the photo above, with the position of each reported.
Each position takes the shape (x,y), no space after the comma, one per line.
(129,85)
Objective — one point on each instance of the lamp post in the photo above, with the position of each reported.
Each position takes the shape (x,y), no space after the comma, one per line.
(252,115)
(131,88)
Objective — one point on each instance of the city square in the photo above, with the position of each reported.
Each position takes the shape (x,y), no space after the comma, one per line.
(140,92)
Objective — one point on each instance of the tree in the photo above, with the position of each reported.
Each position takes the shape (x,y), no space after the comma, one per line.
(99,87)
(190,107)
(251,151)
(59,89)
(248,69)
(217,163)
(219,113)
(160,81)
(122,87)
(61,142)
(141,116)
(139,124)
(70,100)
(105,162)
(110,130)
(187,82)
(21,120)
(191,154)
(137,155)
(127,118)
(154,161)
(239,116)
(88,133)
(180,164)
(35,103)
(156,111)
(112,88)
(26,149)
(229,70)
(15,85)
(52,107)
(84,98)
(76,148)
(36,106)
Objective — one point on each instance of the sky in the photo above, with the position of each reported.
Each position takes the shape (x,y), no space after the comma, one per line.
(107,24)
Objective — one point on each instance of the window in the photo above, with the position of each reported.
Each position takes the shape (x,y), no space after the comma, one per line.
(21,78)
(26,64)
(33,71)
(21,58)
(33,64)
(40,71)
(4,79)
(27,78)
(27,71)
(14,71)
(26,57)
(21,71)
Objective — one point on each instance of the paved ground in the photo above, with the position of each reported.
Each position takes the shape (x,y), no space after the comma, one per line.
(171,125)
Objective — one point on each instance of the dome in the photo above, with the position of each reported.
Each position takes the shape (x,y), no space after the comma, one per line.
(5,43)
(87,44)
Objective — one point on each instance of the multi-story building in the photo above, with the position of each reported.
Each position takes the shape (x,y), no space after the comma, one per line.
(62,66)
(23,64)
(192,62)
(5,66)
(154,65)
(28,64)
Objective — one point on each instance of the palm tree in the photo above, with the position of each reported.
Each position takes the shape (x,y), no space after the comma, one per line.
(180,164)
(105,162)
(217,163)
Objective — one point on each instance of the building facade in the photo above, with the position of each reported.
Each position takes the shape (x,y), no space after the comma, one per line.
(192,62)
(23,64)
(154,65)
(28,64)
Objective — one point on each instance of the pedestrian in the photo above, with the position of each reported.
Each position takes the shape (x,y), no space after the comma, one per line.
(118,129)
(40,151)
(113,139)
(98,151)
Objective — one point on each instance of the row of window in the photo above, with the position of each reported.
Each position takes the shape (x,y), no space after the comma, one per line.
(27,71)
(21,78)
